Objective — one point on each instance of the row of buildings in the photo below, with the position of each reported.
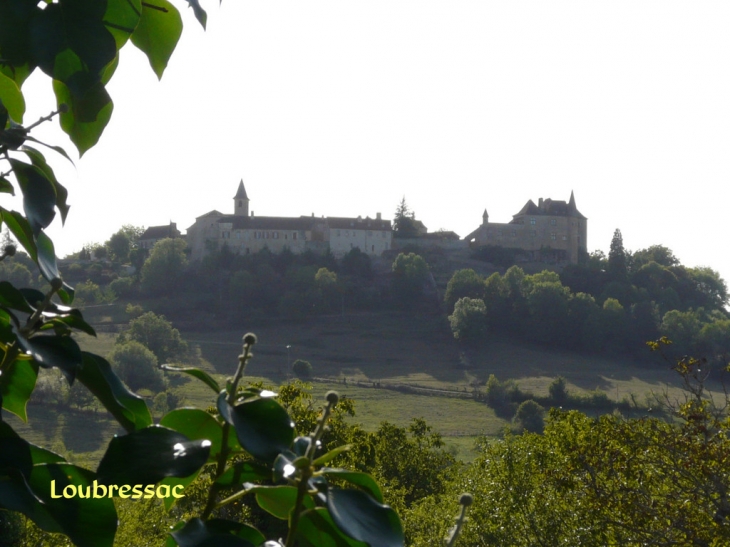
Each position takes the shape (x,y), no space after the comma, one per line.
(552,227)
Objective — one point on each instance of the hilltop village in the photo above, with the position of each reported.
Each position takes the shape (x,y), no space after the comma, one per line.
(551,230)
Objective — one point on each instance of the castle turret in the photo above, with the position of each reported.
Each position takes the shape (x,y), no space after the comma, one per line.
(485,218)
(240,201)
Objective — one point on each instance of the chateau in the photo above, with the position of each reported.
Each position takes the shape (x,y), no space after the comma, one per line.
(551,228)
(243,232)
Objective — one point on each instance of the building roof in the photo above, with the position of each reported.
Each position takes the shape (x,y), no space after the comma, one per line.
(160,232)
(551,207)
(358,223)
(269,223)
(241,193)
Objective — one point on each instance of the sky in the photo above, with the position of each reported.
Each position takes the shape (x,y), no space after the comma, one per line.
(343,108)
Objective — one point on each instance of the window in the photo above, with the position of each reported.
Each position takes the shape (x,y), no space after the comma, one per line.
(276,235)
(532,221)
(553,236)
(294,235)
(553,222)
(565,238)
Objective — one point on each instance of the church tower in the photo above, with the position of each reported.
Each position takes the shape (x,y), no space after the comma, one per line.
(240,201)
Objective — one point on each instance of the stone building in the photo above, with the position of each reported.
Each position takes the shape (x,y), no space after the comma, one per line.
(551,230)
(153,234)
(243,232)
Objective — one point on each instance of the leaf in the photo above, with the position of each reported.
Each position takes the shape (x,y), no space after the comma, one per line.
(16,386)
(278,500)
(157,34)
(46,260)
(317,529)
(217,532)
(242,472)
(39,161)
(87,116)
(6,187)
(121,18)
(12,298)
(200,14)
(201,375)
(331,455)
(61,352)
(23,455)
(21,230)
(88,522)
(262,425)
(55,148)
(149,455)
(39,195)
(195,424)
(12,98)
(363,480)
(128,408)
(362,518)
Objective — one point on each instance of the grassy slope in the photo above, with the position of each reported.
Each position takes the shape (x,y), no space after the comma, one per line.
(370,349)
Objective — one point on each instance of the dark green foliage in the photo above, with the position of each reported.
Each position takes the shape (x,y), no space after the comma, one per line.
(163,269)
(529,416)
(558,390)
(301,368)
(137,366)
(404,225)
(617,261)
(463,283)
(497,255)
(410,275)
(158,335)
(469,320)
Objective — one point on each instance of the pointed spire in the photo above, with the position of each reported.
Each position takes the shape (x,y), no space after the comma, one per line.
(485,217)
(571,203)
(241,194)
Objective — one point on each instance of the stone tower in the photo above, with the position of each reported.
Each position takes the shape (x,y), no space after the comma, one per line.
(240,201)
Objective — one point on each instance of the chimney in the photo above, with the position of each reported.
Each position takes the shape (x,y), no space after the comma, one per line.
(251,214)
(539,203)
(377,215)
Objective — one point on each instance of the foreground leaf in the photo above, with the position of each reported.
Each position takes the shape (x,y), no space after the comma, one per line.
(157,34)
(262,425)
(201,375)
(217,533)
(363,480)
(16,386)
(12,98)
(317,529)
(128,408)
(364,519)
(149,455)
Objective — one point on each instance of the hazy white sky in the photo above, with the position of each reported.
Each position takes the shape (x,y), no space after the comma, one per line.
(342,108)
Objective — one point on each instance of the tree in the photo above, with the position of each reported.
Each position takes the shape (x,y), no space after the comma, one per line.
(469,320)
(163,269)
(410,274)
(119,246)
(463,283)
(617,267)
(301,368)
(404,224)
(156,334)
(529,416)
(137,366)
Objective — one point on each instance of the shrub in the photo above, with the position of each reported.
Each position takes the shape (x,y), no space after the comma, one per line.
(137,366)
(529,416)
(558,390)
(302,368)
(122,286)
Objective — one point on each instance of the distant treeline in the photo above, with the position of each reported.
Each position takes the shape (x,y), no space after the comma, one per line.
(613,303)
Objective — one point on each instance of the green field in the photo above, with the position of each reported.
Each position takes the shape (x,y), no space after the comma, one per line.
(363,356)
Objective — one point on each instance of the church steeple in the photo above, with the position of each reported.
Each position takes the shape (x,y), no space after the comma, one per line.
(240,201)
(571,203)
(485,217)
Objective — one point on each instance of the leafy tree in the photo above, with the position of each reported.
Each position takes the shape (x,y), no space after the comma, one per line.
(163,269)
(137,366)
(119,246)
(156,334)
(463,283)
(529,416)
(302,369)
(469,320)
(404,224)
(410,274)
(558,390)
(16,273)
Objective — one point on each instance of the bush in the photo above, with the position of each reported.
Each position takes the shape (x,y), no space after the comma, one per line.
(302,368)
(529,416)
(558,390)
(469,320)
(157,334)
(122,286)
(137,366)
